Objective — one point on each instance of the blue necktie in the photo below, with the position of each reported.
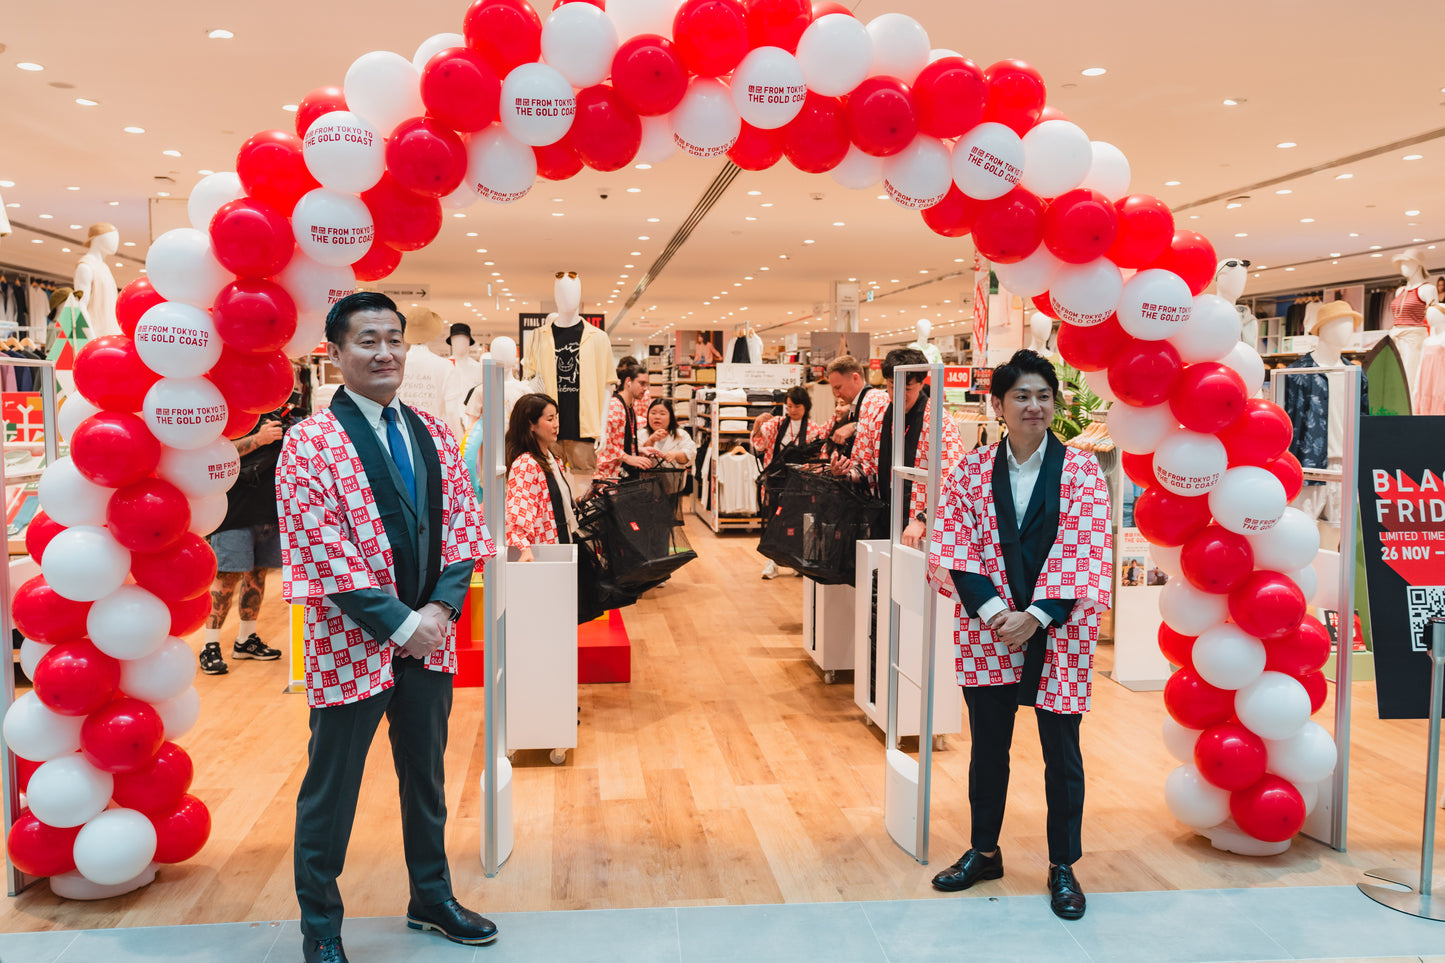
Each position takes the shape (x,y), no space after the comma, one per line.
(397,444)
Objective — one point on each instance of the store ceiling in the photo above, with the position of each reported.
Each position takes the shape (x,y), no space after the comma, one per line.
(1337,78)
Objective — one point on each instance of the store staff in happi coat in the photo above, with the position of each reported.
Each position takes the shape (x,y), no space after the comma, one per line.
(857,401)
(778,441)
(621,446)
(539,497)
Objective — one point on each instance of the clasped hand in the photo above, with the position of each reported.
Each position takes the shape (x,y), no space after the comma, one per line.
(430,634)
(1014,629)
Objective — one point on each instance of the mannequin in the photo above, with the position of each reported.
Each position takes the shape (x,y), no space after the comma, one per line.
(924,327)
(1230,277)
(466,375)
(1429,396)
(572,362)
(744,347)
(94,284)
(1408,309)
(1041,327)
(424,382)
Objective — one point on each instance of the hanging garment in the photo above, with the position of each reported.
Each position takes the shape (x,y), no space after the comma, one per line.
(1430,382)
(737,476)
(1408,308)
(1307,402)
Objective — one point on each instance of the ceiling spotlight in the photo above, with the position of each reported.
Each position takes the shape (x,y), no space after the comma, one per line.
(1094,71)
(135,130)
(1412,156)
(171,153)
(1286,144)
(30,66)
(87,103)
(1343,177)
(1284,190)
(290,108)
(1412,213)
(219,34)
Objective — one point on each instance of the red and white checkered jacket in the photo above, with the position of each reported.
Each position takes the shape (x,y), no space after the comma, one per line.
(609,456)
(766,437)
(1080,566)
(529,506)
(870,420)
(870,436)
(332,540)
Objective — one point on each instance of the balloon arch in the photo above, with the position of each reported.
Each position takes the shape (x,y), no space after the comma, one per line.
(366,176)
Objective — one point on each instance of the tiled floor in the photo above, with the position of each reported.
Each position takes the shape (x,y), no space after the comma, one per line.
(1303,923)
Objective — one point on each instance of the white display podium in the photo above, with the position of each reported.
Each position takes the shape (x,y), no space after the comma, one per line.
(541,669)
(828,627)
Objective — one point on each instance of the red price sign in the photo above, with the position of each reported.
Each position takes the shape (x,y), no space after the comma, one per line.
(958,377)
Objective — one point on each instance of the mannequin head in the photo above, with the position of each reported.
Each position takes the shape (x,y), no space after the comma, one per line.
(504,353)
(1411,265)
(103,238)
(924,327)
(423,326)
(1040,327)
(460,339)
(1229,278)
(568,293)
(1336,334)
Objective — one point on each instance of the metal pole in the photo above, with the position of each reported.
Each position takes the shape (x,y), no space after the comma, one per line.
(493,639)
(1345,644)
(930,616)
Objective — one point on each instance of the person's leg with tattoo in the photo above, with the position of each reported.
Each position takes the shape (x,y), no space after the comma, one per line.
(248,643)
(222,590)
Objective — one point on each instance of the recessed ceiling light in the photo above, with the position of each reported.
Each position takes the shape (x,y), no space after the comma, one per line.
(1336,254)
(1241,234)
(459,214)
(653,220)
(171,153)
(1412,213)
(643,237)
(72,188)
(1374,247)
(1171,183)
(808,242)
(1306,220)
(1286,144)
(634,190)
(76,227)
(1231,101)
(112,203)
(219,33)
(87,103)
(1094,71)
(66,250)
(1377,255)
(163,193)
(642,167)
(1228,207)
(557,213)
(47,217)
(30,66)
(135,130)
(1354,235)
(1412,156)
(1343,177)
(1284,190)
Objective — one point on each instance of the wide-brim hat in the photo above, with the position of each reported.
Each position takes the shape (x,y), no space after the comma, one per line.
(423,326)
(460,328)
(1409,254)
(1333,311)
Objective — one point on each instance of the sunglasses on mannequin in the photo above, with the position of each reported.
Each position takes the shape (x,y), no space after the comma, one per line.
(562,274)
(1232,262)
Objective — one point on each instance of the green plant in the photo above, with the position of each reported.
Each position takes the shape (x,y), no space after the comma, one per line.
(1075,404)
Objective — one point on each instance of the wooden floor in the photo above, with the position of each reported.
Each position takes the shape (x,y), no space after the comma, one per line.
(726,772)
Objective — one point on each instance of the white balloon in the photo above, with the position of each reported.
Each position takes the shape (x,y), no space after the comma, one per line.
(74,408)
(68,791)
(210,194)
(177,340)
(460,199)
(657,143)
(1109,172)
(918,176)
(1326,567)
(1180,740)
(384,89)
(185,413)
(767,88)
(900,47)
(706,124)
(203,471)
(1227,657)
(69,498)
(1155,305)
(1274,706)
(1308,581)
(1057,158)
(207,513)
(580,41)
(635,17)
(1167,558)
(1140,430)
(1032,276)
(1291,544)
(434,45)
(128,623)
(500,168)
(85,563)
(1086,294)
(1190,462)
(836,54)
(858,171)
(36,732)
(938,53)
(1229,838)
(1210,332)
(537,105)
(1193,800)
(314,286)
(180,713)
(1310,793)
(344,153)
(1189,611)
(115,846)
(1248,364)
(310,331)
(164,674)
(1305,757)
(987,161)
(1247,500)
(31,652)
(332,228)
(1097,381)
(182,267)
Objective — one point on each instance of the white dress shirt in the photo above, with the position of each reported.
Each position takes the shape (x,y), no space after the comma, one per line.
(1022,478)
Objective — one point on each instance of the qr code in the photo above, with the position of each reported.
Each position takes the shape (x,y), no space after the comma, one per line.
(1425,602)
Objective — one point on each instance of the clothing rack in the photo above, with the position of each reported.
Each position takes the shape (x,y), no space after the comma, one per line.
(16,302)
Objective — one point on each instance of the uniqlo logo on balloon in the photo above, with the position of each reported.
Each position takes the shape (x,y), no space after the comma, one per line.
(993,164)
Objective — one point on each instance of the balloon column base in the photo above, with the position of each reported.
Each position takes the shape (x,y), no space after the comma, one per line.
(1229,838)
(72,885)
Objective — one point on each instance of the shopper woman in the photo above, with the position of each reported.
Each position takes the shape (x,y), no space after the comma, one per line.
(667,441)
(782,440)
(539,499)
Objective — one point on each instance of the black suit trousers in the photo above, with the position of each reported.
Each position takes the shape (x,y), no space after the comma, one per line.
(416,710)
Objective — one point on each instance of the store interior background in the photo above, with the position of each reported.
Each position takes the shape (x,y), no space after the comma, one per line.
(726,771)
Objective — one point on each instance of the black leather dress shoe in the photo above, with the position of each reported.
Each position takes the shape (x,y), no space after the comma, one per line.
(971,867)
(323,951)
(1066,899)
(452,920)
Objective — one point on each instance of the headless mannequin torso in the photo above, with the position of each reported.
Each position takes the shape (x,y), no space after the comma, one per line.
(924,327)
(94,284)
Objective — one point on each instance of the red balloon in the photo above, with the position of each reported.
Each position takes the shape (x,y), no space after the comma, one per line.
(182,832)
(1145,373)
(1177,648)
(188,615)
(711,36)
(253,382)
(136,298)
(122,736)
(318,103)
(1146,226)
(881,119)
(148,516)
(39,849)
(43,614)
(426,157)
(953,216)
(24,769)
(559,160)
(1194,703)
(1015,95)
(1286,468)
(1258,436)
(1230,756)
(778,23)
(114,448)
(1190,256)
(1301,652)
(1042,305)
(599,4)
(1272,809)
(183,571)
(1050,112)
(1318,688)
(254,315)
(756,149)
(1165,518)
(1267,605)
(508,33)
(816,141)
(38,533)
(158,787)
(1080,226)
(822,8)
(111,375)
(1139,468)
(1209,397)
(606,133)
(1216,560)
(404,219)
(239,423)
(949,97)
(76,678)
(1008,229)
(272,170)
(1093,348)
(251,239)
(648,75)
(460,89)
(378,261)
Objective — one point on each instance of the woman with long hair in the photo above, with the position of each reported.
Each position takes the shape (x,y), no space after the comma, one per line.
(539,498)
